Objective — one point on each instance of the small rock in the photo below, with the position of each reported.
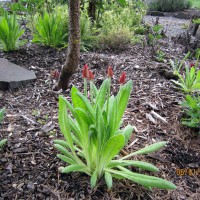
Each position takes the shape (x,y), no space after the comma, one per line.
(31,186)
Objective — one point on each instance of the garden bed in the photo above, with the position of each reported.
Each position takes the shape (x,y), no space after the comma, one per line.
(28,162)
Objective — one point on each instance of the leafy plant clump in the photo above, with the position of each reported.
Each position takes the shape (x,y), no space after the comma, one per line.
(94,138)
(190,82)
(10,32)
(167,5)
(191,106)
(2,112)
(50,29)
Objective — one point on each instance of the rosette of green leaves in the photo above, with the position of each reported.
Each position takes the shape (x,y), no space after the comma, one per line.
(2,112)
(93,138)
(190,82)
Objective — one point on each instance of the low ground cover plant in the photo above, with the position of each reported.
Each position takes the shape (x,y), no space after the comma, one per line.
(2,112)
(10,33)
(93,137)
(190,81)
(191,106)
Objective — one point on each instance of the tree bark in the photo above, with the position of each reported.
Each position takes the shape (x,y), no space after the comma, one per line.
(92,10)
(73,52)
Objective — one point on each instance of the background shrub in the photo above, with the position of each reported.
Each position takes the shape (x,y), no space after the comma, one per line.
(10,32)
(117,26)
(167,5)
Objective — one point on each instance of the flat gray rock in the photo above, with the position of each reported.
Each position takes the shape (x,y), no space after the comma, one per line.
(13,76)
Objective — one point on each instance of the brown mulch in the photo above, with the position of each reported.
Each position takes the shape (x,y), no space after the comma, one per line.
(28,162)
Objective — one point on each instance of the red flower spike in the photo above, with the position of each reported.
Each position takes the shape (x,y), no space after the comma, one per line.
(91,75)
(110,72)
(85,72)
(192,64)
(55,74)
(122,78)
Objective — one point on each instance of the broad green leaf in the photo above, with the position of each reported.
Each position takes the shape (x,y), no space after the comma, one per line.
(196,86)
(64,151)
(87,104)
(112,148)
(139,164)
(122,98)
(75,168)
(77,102)
(93,179)
(2,112)
(66,159)
(146,150)
(145,180)
(101,96)
(127,131)
(2,142)
(64,124)
(108,179)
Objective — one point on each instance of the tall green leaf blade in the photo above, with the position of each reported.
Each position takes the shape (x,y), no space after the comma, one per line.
(108,179)
(149,149)
(101,96)
(123,97)
(139,164)
(112,148)
(75,168)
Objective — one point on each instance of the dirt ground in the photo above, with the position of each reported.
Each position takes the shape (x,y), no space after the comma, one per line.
(28,162)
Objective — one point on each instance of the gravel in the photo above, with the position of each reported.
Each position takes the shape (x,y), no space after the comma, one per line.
(173,26)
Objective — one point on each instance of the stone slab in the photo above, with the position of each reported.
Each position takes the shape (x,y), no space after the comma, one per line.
(13,76)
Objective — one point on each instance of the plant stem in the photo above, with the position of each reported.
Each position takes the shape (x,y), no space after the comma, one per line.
(91,93)
(85,87)
(108,95)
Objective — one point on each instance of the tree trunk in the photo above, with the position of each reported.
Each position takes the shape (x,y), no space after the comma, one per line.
(73,53)
(92,10)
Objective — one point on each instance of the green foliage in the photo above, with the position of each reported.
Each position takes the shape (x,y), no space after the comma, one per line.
(191,81)
(10,33)
(192,110)
(167,5)
(118,25)
(176,65)
(160,56)
(93,137)
(50,29)
(195,3)
(116,38)
(2,112)
(87,31)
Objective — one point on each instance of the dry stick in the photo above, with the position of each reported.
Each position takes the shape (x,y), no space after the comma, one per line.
(156,115)
(54,193)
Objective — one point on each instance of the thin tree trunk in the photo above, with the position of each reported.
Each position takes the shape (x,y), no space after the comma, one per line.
(92,10)
(73,53)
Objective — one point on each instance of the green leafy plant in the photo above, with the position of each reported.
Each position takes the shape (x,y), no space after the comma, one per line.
(191,106)
(168,5)
(2,112)
(87,31)
(10,33)
(153,36)
(176,65)
(160,56)
(190,82)
(94,137)
(49,29)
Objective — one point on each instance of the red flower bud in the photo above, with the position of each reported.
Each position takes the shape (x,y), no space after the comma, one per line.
(85,72)
(122,78)
(55,74)
(192,64)
(110,72)
(91,75)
